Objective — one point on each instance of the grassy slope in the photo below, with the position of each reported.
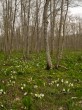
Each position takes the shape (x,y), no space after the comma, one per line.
(27,85)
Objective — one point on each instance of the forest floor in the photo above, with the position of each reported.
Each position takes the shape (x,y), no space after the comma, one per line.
(27,85)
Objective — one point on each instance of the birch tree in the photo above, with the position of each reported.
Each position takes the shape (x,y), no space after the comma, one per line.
(48,57)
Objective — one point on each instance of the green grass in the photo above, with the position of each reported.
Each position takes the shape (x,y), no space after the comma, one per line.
(26,85)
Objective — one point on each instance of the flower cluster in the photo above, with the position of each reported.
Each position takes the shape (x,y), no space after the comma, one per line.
(35,86)
(41,95)
(11,82)
(23,86)
(61,84)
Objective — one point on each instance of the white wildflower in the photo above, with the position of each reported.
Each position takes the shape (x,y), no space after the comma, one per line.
(35,86)
(31,93)
(55,81)
(13,82)
(3,81)
(39,95)
(36,95)
(12,77)
(1,90)
(14,72)
(2,105)
(4,92)
(62,80)
(80,102)
(10,81)
(52,82)
(25,93)
(24,85)
(37,64)
(66,82)
(30,79)
(57,85)
(42,95)
(53,73)
(73,97)
(22,88)
(71,85)
(63,90)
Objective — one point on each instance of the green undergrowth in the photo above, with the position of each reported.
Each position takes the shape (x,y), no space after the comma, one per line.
(27,85)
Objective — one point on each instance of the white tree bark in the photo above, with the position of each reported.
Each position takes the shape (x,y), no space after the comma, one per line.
(48,58)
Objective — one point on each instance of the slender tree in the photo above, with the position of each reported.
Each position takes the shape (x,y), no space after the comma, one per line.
(48,58)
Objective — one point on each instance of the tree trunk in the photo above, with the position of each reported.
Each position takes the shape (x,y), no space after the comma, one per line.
(64,28)
(59,36)
(48,58)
